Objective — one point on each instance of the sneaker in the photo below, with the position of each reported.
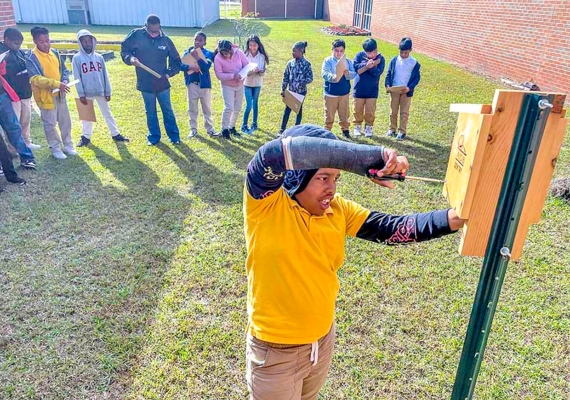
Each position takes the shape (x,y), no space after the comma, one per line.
(234,132)
(120,138)
(175,141)
(401,136)
(213,133)
(357,130)
(346,134)
(34,146)
(245,129)
(58,155)
(226,133)
(1,171)
(70,151)
(253,128)
(18,181)
(83,141)
(390,133)
(280,133)
(149,143)
(368,131)
(193,132)
(28,164)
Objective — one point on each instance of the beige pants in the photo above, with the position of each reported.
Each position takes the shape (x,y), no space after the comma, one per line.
(106,113)
(334,104)
(23,110)
(287,374)
(364,109)
(401,103)
(233,99)
(58,116)
(196,94)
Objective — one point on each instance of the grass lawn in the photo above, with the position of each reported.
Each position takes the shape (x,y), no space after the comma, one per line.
(122,270)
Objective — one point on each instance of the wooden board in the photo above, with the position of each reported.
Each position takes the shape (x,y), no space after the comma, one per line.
(341,66)
(475,192)
(472,108)
(189,59)
(465,161)
(475,234)
(542,174)
(396,89)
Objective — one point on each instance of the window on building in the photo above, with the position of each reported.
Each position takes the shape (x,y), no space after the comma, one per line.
(362,14)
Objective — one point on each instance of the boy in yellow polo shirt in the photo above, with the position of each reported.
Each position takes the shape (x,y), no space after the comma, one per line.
(292,280)
(48,72)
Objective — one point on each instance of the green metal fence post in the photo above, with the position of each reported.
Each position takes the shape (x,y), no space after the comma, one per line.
(526,141)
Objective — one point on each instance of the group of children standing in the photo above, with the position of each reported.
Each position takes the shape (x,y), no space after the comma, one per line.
(368,65)
(366,69)
(42,72)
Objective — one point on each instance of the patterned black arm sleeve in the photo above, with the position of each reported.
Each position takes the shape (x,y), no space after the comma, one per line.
(391,229)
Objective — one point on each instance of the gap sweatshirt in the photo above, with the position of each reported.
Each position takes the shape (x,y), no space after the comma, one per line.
(91,71)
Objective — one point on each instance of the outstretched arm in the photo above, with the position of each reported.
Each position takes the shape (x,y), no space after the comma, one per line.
(392,229)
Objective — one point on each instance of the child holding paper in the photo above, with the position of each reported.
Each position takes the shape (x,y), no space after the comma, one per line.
(255,53)
(199,85)
(228,62)
(48,72)
(89,67)
(369,65)
(298,74)
(404,71)
(337,87)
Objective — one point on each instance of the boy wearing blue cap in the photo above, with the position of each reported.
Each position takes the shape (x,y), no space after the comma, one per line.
(404,70)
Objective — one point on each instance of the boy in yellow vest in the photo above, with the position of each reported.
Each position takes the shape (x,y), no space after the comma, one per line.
(48,72)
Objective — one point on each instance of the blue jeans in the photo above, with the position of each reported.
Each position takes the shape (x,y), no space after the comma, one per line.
(6,161)
(251,97)
(11,126)
(167,116)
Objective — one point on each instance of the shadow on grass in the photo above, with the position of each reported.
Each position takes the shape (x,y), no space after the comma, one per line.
(205,177)
(84,281)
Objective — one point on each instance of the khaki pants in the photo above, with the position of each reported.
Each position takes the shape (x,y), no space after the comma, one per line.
(334,104)
(287,374)
(364,109)
(402,103)
(58,116)
(196,94)
(106,113)
(23,110)
(233,99)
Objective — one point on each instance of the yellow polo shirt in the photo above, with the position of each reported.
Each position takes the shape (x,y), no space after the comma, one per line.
(49,63)
(292,263)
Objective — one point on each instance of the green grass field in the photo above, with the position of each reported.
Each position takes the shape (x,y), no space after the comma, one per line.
(122,270)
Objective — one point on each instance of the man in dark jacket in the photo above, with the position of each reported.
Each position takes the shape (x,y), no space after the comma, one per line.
(150,47)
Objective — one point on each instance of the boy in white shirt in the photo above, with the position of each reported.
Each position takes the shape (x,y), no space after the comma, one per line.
(404,71)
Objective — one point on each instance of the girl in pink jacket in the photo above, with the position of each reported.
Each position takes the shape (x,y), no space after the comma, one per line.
(228,61)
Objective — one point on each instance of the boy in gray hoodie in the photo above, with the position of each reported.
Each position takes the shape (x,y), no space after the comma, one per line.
(89,67)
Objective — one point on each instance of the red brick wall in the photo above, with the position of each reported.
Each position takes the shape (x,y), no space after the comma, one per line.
(515,39)
(276,8)
(6,15)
